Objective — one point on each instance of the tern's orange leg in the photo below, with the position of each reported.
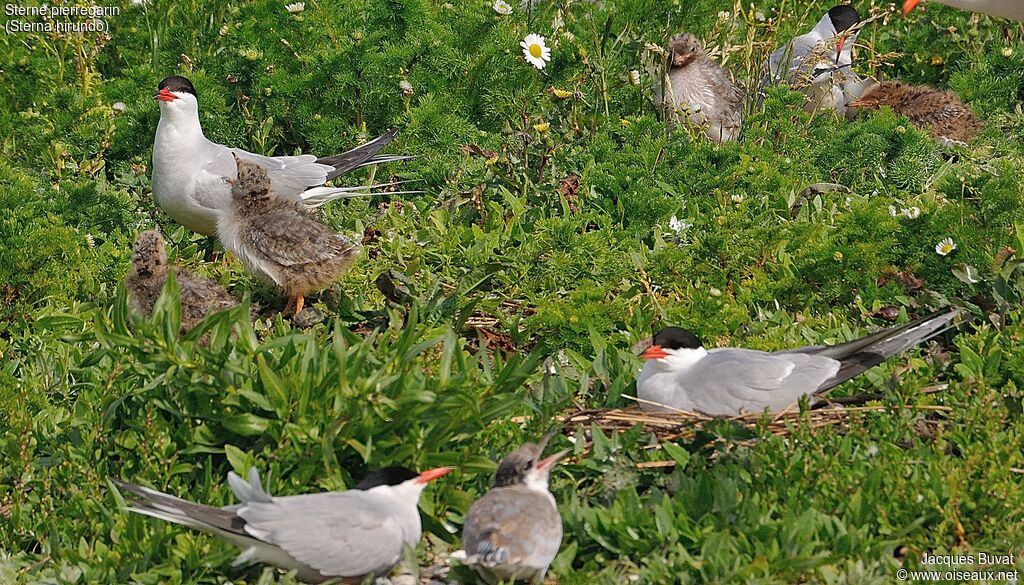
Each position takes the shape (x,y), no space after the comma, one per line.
(298,304)
(288,305)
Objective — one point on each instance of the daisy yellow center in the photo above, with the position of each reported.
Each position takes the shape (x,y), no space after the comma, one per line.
(947,248)
(536,51)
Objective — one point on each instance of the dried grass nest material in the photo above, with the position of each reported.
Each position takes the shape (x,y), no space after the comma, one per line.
(681,425)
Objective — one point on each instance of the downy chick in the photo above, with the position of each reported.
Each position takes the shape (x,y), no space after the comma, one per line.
(279,238)
(941,112)
(199,296)
(701,89)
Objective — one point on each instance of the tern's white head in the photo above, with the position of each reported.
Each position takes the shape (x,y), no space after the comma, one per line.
(406,485)
(674,348)
(842,18)
(525,467)
(177,97)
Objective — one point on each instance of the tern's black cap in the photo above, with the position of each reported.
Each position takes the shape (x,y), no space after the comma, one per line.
(676,338)
(179,84)
(393,475)
(843,17)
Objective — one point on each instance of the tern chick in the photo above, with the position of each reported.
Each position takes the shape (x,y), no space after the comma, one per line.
(199,296)
(701,90)
(279,238)
(940,112)
(514,531)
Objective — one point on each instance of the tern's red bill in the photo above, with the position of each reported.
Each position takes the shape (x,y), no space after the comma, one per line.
(165,95)
(910,5)
(432,474)
(655,352)
(839,47)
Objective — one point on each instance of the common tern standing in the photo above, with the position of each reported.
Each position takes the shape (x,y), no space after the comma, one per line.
(821,72)
(1011,9)
(515,530)
(681,374)
(188,169)
(348,535)
(279,238)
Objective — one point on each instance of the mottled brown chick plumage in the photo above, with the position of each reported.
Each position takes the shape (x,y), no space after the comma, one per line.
(280,238)
(701,88)
(941,112)
(199,296)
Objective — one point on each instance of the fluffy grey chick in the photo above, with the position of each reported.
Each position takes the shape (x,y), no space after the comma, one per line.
(515,530)
(199,296)
(702,90)
(279,238)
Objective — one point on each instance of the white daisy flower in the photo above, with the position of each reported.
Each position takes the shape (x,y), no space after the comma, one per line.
(535,51)
(678,226)
(119,107)
(945,247)
(634,77)
(737,198)
(296,7)
(911,212)
(406,87)
(502,7)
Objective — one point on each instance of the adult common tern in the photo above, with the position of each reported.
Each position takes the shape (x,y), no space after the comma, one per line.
(514,531)
(145,281)
(822,72)
(941,112)
(1011,9)
(279,238)
(681,374)
(702,90)
(348,535)
(188,169)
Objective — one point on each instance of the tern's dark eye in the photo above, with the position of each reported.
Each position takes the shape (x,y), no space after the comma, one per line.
(528,465)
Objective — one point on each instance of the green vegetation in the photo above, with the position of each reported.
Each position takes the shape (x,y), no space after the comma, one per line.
(528,277)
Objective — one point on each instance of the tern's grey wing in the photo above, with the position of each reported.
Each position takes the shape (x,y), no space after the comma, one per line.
(730,381)
(289,175)
(346,534)
(513,525)
(862,354)
(361,155)
(289,237)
